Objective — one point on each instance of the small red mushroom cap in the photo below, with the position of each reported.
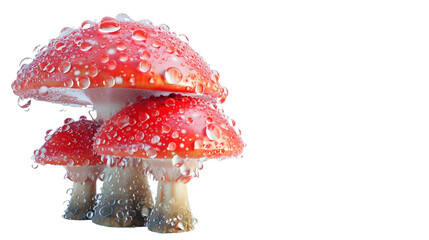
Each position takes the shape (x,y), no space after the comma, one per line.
(116,53)
(165,127)
(70,145)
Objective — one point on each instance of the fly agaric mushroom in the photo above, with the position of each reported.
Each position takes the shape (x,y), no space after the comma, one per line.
(71,147)
(109,63)
(173,135)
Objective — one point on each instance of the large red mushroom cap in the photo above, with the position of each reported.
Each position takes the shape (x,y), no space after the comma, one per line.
(116,53)
(70,145)
(165,127)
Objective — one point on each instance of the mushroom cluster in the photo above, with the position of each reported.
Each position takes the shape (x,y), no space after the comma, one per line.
(156,100)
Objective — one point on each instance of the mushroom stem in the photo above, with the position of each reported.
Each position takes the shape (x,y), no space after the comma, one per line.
(124,195)
(82,200)
(172,213)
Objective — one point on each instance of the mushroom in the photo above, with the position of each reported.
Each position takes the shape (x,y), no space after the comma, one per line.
(71,146)
(172,136)
(109,63)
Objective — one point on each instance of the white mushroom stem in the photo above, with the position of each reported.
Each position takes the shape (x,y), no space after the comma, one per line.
(125,194)
(172,212)
(82,201)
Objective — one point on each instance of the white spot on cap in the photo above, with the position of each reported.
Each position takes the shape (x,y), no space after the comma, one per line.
(111,51)
(119,80)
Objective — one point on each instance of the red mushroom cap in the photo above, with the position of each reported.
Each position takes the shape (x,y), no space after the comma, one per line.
(70,145)
(164,127)
(116,53)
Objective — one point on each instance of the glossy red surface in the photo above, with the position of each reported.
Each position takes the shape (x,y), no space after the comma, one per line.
(162,127)
(71,144)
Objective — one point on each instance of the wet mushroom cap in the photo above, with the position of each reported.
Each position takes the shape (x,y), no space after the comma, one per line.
(117,53)
(163,127)
(70,145)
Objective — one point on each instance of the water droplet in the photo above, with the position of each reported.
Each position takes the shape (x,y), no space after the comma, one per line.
(106,211)
(209,120)
(70,162)
(123,57)
(121,46)
(65,128)
(151,104)
(166,128)
(65,31)
(170,102)
(177,161)
(122,17)
(25,61)
(151,153)
(156,44)
(214,76)
(50,68)
(175,134)
(85,46)
(199,88)
(139,136)
(200,165)
(112,134)
(86,162)
(184,170)
(34,165)
(104,58)
(184,38)
(64,67)
(144,66)
(68,83)
(170,49)
(24,103)
(173,75)
(108,25)
(48,137)
(155,139)
(92,71)
(180,226)
(83,82)
(139,35)
(39,48)
(89,215)
(145,212)
(109,82)
(171,146)
(122,121)
(120,214)
(213,132)
(59,46)
(111,65)
(164,27)
(67,121)
(87,24)
(145,55)
(143,117)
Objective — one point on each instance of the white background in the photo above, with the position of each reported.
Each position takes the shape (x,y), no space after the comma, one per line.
(331,96)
